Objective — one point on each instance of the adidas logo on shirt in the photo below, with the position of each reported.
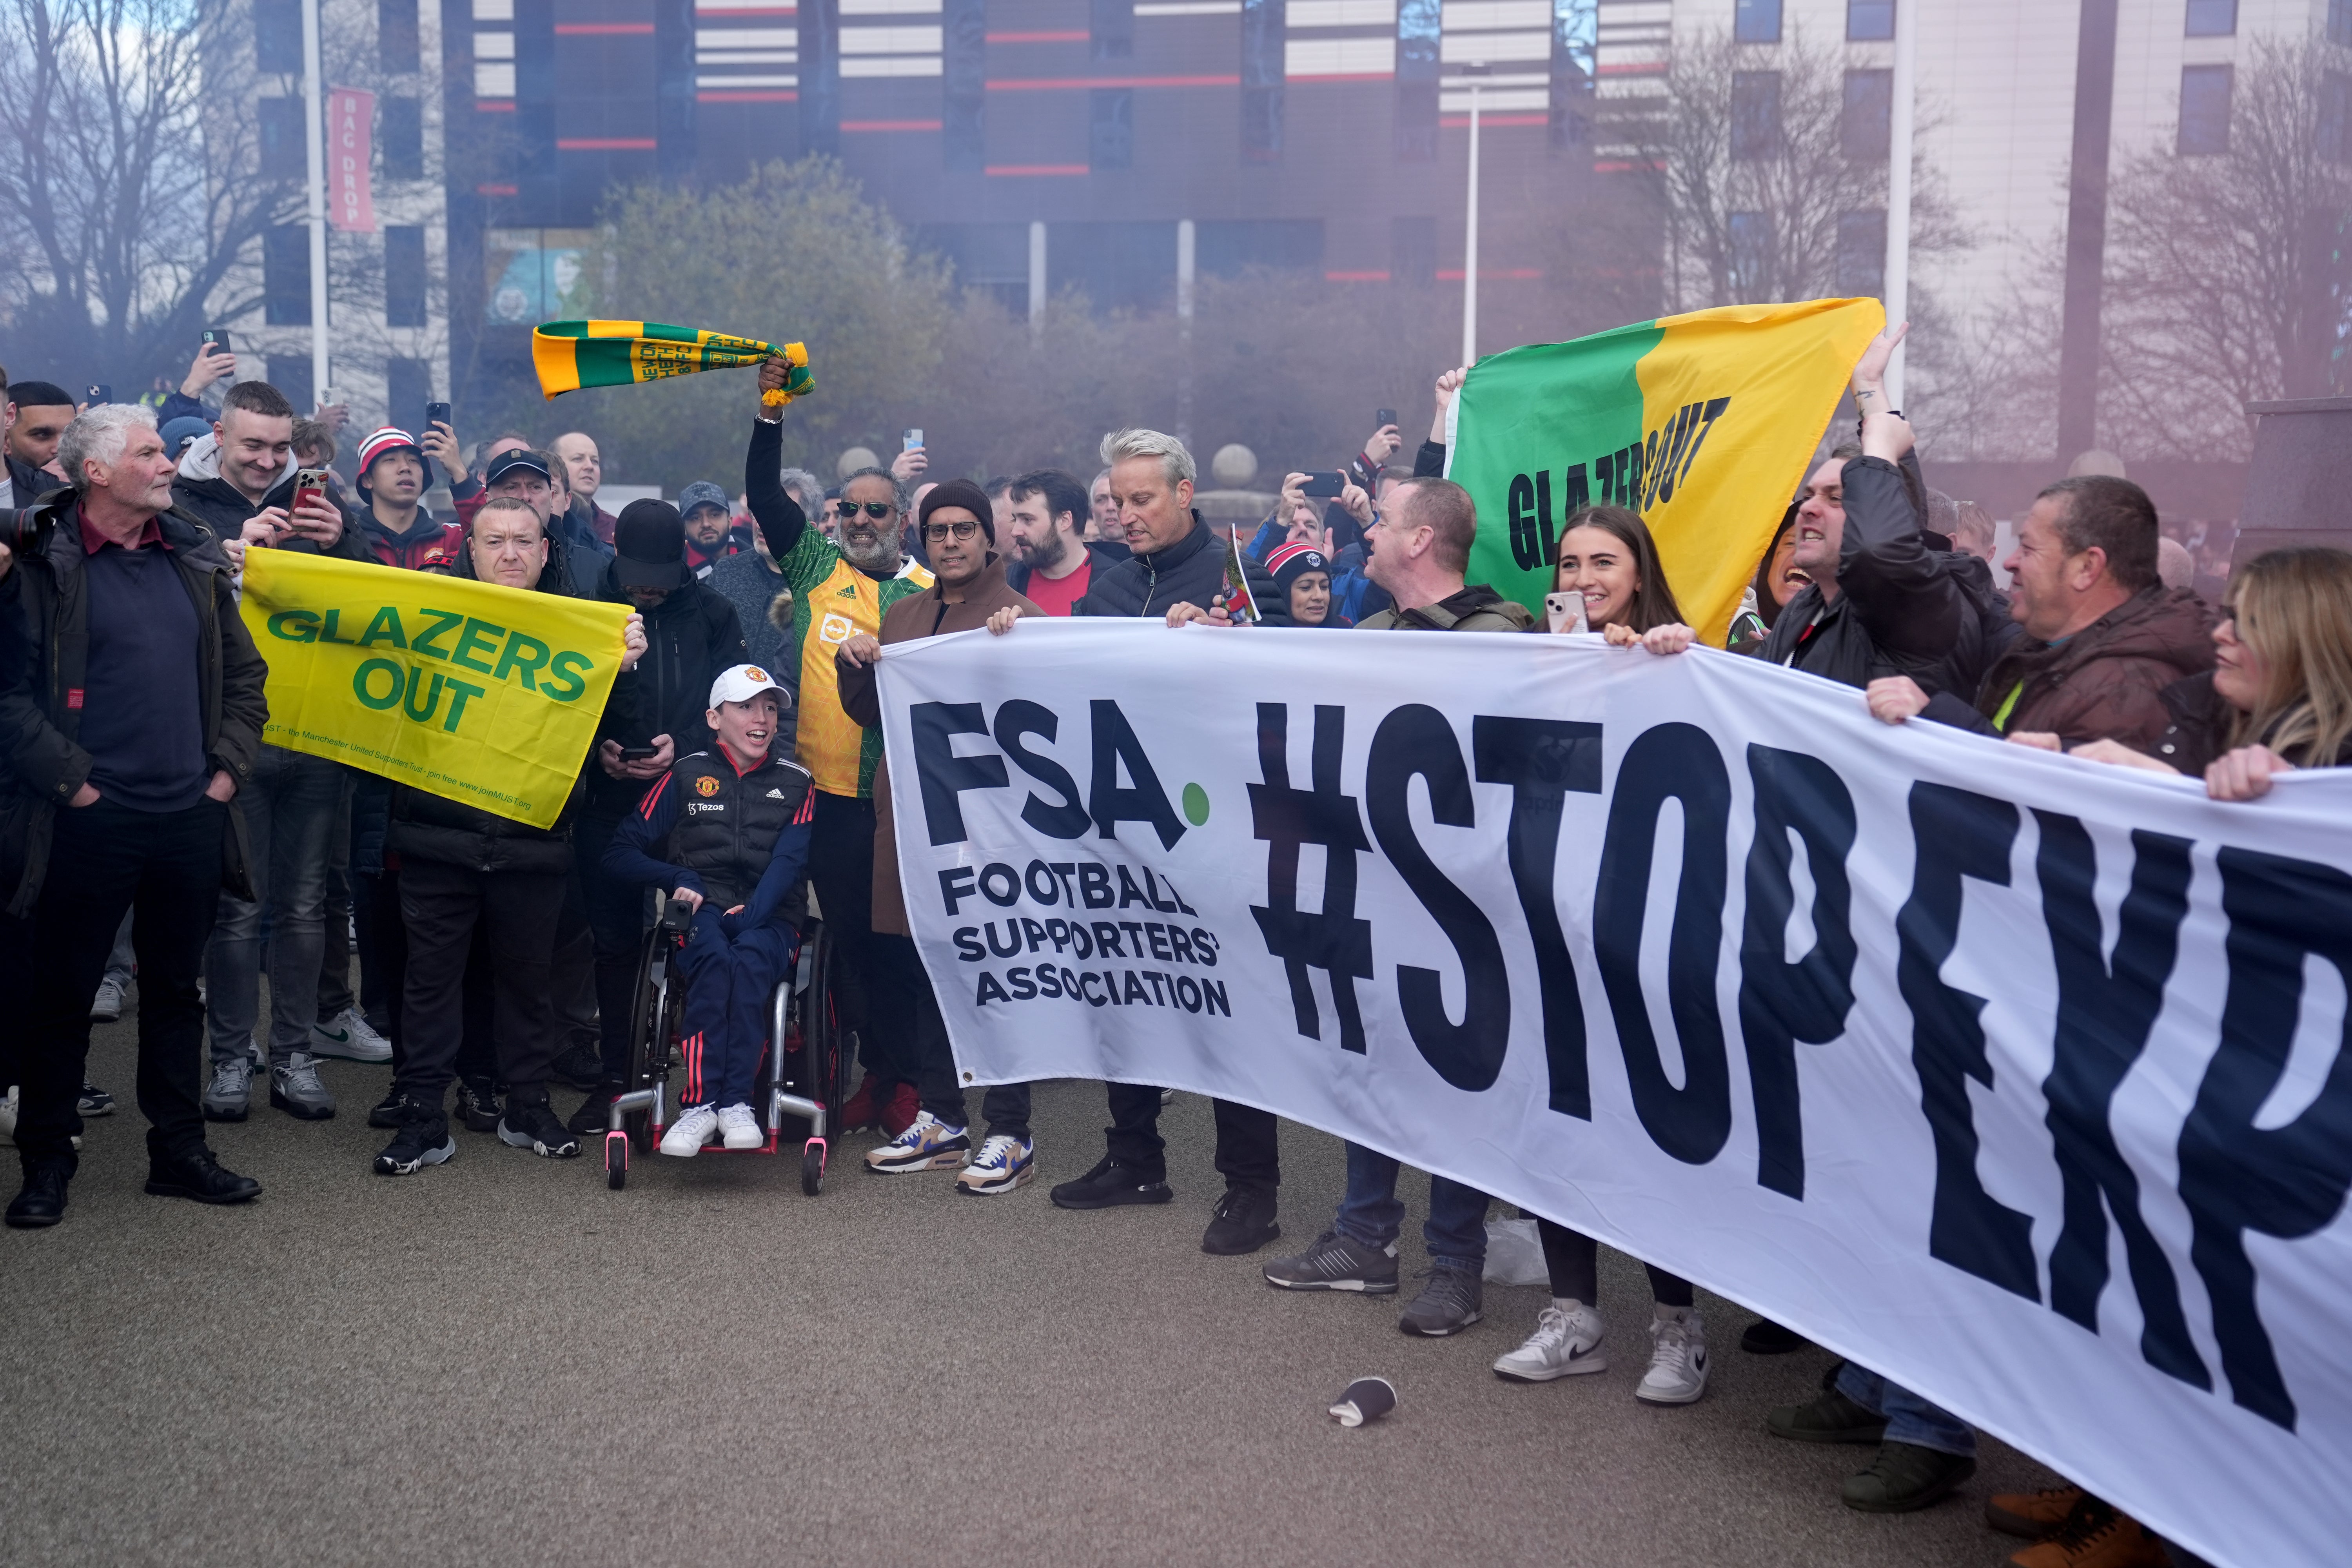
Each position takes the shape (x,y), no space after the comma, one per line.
(776,795)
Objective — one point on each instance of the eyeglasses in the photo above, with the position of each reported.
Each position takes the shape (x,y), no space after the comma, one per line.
(963,530)
(876,509)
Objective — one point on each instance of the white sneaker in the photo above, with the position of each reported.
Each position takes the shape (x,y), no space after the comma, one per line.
(690,1132)
(739,1129)
(106,1006)
(1567,1342)
(347,1035)
(1002,1164)
(927,1144)
(1678,1373)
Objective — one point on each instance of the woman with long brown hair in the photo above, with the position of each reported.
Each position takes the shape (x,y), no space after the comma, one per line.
(1606,554)
(2279,696)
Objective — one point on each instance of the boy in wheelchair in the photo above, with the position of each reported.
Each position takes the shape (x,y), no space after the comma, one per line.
(726,831)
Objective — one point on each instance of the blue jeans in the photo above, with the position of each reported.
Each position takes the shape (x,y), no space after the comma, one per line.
(1909,1418)
(1456,1231)
(289,807)
(728,983)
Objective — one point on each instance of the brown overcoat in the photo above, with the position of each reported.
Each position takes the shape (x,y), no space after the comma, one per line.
(934,612)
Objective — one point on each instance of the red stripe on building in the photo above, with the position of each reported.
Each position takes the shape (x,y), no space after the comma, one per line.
(771,95)
(1355,277)
(599,30)
(1346,75)
(494,106)
(889,125)
(605,144)
(1518,274)
(1037,169)
(1069,84)
(1485,120)
(497,190)
(1062,38)
(747,10)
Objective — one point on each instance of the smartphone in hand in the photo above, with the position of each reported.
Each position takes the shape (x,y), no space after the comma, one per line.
(1565,613)
(1383,418)
(99,393)
(436,414)
(1325,484)
(637,753)
(910,441)
(214,340)
(310,484)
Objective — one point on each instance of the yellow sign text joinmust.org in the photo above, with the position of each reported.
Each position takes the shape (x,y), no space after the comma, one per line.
(485,695)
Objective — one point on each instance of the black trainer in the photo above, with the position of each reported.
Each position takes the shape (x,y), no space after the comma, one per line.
(1904,1478)
(94,1100)
(478,1107)
(535,1128)
(1108,1185)
(42,1204)
(595,1114)
(395,1108)
(198,1175)
(1765,1337)
(421,1141)
(1243,1222)
(581,1066)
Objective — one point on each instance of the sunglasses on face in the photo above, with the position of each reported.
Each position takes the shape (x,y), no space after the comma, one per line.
(876,509)
(964,530)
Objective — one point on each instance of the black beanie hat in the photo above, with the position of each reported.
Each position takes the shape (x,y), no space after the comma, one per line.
(962,493)
(649,545)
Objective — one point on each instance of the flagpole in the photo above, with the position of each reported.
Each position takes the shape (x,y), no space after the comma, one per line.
(315,153)
(1470,243)
(1897,286)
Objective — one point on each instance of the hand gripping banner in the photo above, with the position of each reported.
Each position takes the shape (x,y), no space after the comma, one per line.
(570,355)
(2017,1078)
(1702,423)
(486,695)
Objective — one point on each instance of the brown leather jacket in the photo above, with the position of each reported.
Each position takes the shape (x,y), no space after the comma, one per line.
(929,614)
(2106,682)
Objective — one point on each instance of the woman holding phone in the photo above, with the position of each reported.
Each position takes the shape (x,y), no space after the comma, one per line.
(1607,559)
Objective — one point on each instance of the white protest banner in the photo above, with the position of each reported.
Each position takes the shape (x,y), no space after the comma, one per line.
(2017,1078)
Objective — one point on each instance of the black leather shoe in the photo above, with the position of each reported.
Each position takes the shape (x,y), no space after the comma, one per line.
(1243,1223)
(42,1202)
(197,1174)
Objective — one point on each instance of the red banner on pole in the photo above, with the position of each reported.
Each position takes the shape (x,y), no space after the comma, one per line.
(350,119)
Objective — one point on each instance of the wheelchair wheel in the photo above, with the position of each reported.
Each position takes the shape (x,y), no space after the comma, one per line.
(616,1162)
(832,1052)
(655,1017)
(813,1169)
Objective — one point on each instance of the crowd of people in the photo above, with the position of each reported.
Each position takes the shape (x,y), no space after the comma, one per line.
(147,828)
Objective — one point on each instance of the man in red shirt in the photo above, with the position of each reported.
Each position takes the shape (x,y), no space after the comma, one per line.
(1044,532)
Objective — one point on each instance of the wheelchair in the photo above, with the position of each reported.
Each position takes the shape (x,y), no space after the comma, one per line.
(807,1070)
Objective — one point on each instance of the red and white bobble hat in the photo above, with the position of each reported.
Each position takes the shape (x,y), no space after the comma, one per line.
(390,438)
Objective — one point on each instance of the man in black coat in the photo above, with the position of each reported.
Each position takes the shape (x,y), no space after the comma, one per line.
(131,710)
(691,636)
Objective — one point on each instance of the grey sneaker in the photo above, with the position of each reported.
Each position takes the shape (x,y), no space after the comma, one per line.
(224,1099)
(1446,1305)
(106,1006)
(347,1035)
(294,1089)
(1678,1373)
(1336,1262)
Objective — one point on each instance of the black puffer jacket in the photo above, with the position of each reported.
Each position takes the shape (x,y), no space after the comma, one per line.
(1190,572)
(199,491)
(690,636)
(1901,608)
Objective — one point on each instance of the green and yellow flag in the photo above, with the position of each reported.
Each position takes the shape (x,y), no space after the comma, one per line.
(1702,423)
(486,695)
(570,355)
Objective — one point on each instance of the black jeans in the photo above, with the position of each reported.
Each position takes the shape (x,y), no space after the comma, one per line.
(439,905)
(616,920)
(1248,1153)
(840,865)
(165,867)
(1574,1259)
(941,1092)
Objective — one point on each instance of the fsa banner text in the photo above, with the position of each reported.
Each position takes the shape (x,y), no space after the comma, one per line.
(486,695)
(2019,1079)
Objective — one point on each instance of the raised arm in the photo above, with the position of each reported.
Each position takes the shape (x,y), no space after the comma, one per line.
(780,517)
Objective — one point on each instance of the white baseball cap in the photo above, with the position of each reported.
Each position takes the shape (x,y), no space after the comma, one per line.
(745,681)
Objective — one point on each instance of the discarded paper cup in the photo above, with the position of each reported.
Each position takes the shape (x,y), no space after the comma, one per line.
(1366,1399)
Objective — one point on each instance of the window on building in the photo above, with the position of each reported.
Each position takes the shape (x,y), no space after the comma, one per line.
(396,35)
(820,76)
(1755,114)
(963,140)
(1413,251)
(407,388)
(285,156)
(1111,127)
(1112,36)
(1418,28)
(1866,124)
(1752,255)
(404,139)
(2204,110)
(285,274)
(1866,20)
(2336,117)
(277,35)
(1756,22)
(1221,248)
(2339,22)
(989,257)
(1265,30)
(290,373)
(404,276)
(1568,116)
(1861,253)
(1130,265)
(2212,19)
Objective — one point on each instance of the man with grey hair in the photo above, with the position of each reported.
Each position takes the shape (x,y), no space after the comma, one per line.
(126,773)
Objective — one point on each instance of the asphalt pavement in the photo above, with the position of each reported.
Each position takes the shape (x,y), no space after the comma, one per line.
(498,1360)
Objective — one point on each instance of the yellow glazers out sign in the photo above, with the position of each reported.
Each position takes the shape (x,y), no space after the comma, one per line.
(485,695)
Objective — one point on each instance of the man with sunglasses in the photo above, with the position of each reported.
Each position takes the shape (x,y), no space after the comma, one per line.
(839,591)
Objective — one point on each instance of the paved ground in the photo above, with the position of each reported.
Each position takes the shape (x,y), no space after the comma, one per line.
(498,1360)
